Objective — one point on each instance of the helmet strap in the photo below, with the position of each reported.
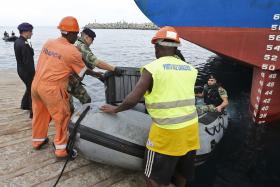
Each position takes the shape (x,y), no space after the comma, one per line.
(167,44)
(64,32)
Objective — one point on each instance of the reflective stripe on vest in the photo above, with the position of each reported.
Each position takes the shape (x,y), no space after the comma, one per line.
(172,101)
(176,120)
(171,104)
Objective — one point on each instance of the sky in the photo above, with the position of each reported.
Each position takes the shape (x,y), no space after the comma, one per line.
(50,12)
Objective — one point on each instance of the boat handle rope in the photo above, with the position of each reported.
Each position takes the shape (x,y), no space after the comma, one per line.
(71,142)
(221,125)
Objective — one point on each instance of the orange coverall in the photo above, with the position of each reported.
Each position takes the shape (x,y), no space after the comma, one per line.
(57,60)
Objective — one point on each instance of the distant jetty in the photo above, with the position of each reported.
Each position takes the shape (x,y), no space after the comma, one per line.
(123,25)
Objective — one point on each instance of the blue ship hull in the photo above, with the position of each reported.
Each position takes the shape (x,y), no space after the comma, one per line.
(214,13)
(244,30)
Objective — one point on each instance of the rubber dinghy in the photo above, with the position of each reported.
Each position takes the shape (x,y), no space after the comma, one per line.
(10,38)
(120,139)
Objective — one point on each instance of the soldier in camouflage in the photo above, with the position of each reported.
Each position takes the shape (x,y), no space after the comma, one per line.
(75,87)
(215,97)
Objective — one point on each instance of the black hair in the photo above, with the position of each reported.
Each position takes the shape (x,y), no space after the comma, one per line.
(212,76)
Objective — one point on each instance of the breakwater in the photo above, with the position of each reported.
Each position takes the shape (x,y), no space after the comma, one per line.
(123,25)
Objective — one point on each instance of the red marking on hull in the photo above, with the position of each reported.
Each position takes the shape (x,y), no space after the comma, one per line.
(243,44)
(250,47)
(265,93)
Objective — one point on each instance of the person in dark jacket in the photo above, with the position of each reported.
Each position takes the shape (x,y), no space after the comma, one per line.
(215,97)
(25,63)
(6,34)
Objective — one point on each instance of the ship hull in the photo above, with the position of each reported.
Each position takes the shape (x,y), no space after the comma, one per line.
(236,29)
(242,44)
(245,30)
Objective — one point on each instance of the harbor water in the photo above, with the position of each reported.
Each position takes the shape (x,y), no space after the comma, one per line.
(247,155)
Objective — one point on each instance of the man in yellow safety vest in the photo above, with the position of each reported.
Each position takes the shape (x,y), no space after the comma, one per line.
(167,84)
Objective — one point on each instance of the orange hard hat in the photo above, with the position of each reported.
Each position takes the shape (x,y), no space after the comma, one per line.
(166,32)
(69,24)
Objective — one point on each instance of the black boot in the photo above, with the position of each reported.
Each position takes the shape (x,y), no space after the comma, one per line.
(31,114)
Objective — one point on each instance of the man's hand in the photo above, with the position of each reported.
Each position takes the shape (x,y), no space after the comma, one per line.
(118,71)
(219,108)
(108,108)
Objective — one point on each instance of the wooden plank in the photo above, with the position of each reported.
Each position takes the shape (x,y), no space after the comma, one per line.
(20,165)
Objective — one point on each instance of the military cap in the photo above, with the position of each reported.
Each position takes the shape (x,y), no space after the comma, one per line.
(212,76)
(25,27)
(89,32)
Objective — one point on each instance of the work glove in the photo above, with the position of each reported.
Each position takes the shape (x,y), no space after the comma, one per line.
(118,71)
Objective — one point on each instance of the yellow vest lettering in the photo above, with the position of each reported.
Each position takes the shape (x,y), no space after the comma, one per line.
(171,105)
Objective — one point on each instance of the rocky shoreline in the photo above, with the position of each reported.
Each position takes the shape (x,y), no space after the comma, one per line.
(123,25)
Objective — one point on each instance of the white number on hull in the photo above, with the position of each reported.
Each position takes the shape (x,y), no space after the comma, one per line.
(268,67)
(273,37)
(267,76)
(267,100)
(270,57)
(275,27)
(272,47)
(276,16)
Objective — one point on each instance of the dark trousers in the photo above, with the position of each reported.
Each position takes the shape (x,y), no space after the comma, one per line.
(26,102)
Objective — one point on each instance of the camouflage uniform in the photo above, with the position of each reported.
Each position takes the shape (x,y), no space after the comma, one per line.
(75,87)
(201,109)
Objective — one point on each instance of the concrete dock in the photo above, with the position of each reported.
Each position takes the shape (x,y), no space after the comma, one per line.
(20,165)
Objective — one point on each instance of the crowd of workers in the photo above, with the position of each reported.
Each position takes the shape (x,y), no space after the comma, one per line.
(167,84)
